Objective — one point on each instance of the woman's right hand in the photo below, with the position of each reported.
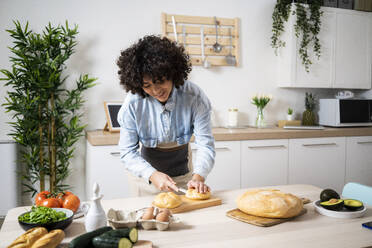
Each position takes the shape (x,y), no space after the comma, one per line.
(163,182)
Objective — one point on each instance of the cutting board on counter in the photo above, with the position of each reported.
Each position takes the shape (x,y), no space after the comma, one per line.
(188,204)
(143,244)
(261,221)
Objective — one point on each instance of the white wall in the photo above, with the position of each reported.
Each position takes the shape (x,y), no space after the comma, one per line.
(106,27)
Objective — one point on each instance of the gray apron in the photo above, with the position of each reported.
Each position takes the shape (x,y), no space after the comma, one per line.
(173,162)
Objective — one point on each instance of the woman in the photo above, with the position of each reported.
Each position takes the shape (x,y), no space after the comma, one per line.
(161,113)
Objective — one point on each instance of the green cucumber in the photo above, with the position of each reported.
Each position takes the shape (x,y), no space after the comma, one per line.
(103,241)
(85,240)
(131,233)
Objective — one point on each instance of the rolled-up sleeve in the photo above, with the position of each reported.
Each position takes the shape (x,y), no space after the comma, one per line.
(129,144)
(204,139)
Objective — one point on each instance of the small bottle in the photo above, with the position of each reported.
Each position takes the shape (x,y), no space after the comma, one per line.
(233,117)
(96,216)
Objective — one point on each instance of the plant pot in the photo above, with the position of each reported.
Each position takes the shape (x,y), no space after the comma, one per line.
(290,117)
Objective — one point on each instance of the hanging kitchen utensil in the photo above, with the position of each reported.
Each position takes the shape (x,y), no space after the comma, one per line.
(230,59)
(216,47)
(205,62)
(184,36)
(174,29)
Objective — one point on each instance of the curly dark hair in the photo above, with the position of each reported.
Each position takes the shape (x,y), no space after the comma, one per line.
(154,57)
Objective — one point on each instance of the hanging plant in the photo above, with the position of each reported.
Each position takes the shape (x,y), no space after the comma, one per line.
(307,26)
(46,120)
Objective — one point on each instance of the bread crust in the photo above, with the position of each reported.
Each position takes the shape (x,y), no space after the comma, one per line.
(269,203)
(194,195)
(50,240)
(27,239)
(167,200)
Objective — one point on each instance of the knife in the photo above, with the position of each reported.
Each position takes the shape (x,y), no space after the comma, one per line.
(182,190)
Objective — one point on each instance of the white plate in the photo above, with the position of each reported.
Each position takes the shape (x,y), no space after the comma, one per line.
(344,213)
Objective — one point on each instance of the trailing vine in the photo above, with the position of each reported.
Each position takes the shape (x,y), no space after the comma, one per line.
(280,15)
(307,26)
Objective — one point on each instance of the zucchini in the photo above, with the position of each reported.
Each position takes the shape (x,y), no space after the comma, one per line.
(131,233)
(85,240)
(103,241)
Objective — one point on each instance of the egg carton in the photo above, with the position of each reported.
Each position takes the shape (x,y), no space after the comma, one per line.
(121,219)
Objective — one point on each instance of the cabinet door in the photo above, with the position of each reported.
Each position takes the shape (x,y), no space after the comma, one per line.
(359,160)
(264,162)
(353,50)
(318,161)
(103,166)
(226,171)
(320,71)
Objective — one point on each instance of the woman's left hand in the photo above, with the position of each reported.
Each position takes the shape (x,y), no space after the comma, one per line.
(197,182)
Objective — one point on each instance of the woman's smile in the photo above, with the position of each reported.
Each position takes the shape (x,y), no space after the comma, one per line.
(160,90)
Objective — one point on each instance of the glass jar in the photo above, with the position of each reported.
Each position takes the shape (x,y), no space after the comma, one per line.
(233,117)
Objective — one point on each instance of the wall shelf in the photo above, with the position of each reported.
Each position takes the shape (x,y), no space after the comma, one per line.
(188,30)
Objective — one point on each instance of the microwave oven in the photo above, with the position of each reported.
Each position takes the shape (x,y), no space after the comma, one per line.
(345,112)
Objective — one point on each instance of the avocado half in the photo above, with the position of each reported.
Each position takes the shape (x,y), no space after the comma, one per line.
(353,204)
(328,194)
(333,204)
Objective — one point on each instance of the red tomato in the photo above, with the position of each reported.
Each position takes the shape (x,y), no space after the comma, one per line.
(41,197)
(51,203)
(71,202)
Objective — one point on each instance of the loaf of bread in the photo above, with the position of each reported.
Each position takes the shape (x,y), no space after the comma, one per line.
(194,195)
(167,200)
(50,240)
(27,239)
(269,203)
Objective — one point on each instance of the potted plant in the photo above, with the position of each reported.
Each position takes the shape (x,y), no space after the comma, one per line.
(289,114)
(307,26)
(46,118)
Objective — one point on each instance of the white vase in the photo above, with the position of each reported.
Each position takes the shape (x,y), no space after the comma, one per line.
(290,117)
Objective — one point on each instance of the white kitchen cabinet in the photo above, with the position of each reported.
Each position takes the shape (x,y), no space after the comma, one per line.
(317,161)
(226,171)
(103,166)
(345,61)
(359,160)
(353,50)
(264,162)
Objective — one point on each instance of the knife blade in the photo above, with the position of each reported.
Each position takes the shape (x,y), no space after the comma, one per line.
(182,190)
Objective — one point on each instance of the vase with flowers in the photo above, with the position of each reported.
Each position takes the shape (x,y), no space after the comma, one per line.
(260,101)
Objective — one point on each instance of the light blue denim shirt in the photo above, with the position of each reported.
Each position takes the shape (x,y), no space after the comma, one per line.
(186,113)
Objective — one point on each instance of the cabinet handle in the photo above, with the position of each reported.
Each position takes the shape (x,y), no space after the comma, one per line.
(222,148)
(364,142)
(321,144)
(259,147)
(115,154)
(217,148)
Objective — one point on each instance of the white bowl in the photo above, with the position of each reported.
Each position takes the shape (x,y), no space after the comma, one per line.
(344,213)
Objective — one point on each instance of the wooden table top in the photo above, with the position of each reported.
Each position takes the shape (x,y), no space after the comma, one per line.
(210,227)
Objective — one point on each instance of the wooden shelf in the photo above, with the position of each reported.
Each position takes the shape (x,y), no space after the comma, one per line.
(188,30)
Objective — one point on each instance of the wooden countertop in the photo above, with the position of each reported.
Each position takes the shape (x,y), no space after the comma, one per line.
(210,227)
(100,137)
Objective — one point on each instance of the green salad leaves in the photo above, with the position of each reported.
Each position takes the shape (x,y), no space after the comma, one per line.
(42,215)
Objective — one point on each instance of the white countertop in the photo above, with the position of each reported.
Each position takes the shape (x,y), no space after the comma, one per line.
(210,227)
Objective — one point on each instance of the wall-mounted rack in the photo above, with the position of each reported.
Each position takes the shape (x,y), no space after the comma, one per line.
(188,34)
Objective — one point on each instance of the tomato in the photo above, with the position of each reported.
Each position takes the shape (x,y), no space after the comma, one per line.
(51,203)
(41,197)
(71,202)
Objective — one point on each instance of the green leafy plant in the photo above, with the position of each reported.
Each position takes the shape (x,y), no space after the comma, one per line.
(261,100)
(290,111)
(307,26)
(46,120)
